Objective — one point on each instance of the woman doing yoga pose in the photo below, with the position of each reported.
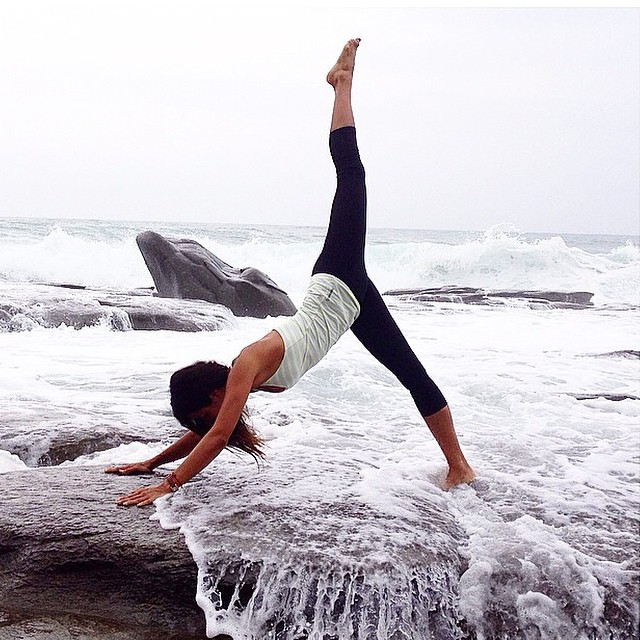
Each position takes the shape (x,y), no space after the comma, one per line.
(209,398)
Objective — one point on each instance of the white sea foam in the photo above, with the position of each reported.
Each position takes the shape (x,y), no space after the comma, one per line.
(627,253)
(507,262)
(122,454)
(62,258)
(10,462)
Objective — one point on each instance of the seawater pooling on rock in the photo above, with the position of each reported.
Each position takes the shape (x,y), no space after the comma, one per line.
(348,504)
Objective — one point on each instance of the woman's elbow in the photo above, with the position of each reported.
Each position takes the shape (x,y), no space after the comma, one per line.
(217,441)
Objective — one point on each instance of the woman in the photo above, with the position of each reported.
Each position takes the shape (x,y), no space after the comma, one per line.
(209,398)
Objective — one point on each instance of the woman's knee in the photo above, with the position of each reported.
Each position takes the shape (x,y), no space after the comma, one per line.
(429,399)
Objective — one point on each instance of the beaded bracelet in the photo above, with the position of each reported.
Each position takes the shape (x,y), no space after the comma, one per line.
(173,482)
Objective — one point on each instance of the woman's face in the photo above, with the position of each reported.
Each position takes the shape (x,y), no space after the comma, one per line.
(203,419)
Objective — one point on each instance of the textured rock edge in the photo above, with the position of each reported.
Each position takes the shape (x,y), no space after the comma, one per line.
(70,556)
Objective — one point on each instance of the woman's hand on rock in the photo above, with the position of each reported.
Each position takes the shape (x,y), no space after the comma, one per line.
(143,496)
(133,469)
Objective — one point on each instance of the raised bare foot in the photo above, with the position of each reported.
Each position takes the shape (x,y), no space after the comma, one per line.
(462,475)
(342,70)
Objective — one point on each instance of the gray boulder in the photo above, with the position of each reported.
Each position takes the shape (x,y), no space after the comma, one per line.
(185,269)
(73,564)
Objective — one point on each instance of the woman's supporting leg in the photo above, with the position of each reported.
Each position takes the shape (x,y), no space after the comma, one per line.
(381,336)
(441,426)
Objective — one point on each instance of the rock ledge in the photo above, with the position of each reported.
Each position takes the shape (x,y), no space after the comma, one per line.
(68,553)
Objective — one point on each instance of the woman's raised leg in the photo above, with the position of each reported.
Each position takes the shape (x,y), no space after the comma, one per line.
(343,252)
(340,78)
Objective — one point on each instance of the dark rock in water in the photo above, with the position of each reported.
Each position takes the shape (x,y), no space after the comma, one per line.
(62,451)
(629,354)
(64,627)
(51,306)
(43,306)
(471,295)
(71,559)
(42,449)
(80,287)
(66,435)
(185,269)
(614,397)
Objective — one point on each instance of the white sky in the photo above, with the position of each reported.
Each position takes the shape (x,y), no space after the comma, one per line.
(158,110)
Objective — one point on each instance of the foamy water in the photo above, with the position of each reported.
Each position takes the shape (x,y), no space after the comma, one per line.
(345,532)
(95,253)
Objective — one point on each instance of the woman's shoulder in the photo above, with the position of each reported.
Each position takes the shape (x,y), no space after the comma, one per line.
(260,357)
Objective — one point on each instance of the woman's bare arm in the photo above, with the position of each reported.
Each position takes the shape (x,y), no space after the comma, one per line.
(181,448)
(239,384)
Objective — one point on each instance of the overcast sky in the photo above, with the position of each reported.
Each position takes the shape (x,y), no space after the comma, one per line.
(467,118)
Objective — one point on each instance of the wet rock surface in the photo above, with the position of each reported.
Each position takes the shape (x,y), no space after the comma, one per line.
(67,628)
(73,564)
(51,306)
(472,295)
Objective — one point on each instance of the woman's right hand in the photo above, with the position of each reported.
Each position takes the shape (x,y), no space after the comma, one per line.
(133,469)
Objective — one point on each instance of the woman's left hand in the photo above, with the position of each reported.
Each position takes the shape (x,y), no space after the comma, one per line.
(143,496)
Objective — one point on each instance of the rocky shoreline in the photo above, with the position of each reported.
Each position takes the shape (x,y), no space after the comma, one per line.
(74,565)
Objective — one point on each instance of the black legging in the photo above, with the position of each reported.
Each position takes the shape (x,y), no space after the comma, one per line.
(343,256)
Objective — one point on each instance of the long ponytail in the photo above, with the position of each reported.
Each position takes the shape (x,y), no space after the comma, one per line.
(244,438)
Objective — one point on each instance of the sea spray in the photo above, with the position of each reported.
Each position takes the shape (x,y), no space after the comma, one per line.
(530,569)
(95,254)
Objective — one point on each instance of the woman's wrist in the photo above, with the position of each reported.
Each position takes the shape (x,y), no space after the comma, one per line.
(152,463)
(172,482)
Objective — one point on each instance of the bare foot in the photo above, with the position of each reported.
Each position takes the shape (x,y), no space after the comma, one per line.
(462,475)
(342,70)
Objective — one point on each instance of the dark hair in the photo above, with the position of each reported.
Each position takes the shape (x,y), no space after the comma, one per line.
(191,390)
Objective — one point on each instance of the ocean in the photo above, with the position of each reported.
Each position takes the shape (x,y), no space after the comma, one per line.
(344,532)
